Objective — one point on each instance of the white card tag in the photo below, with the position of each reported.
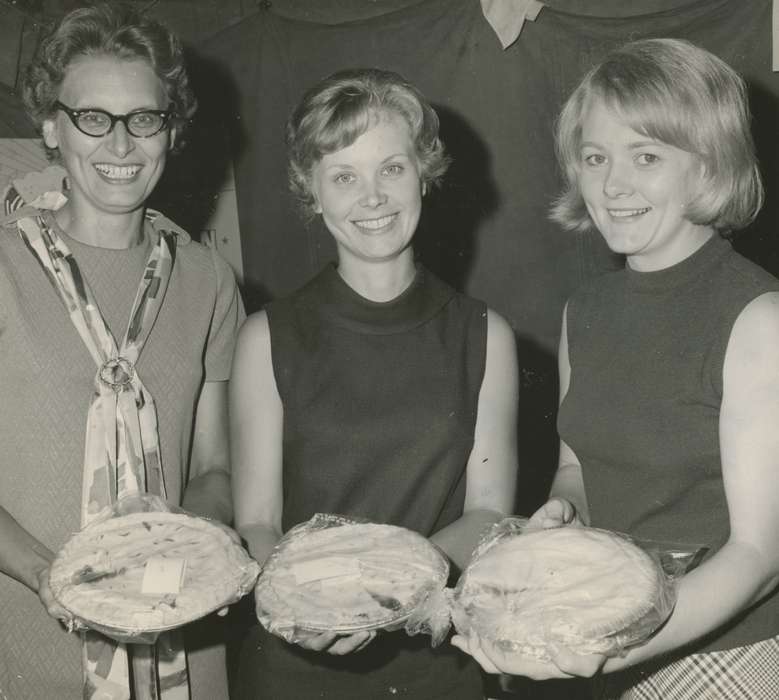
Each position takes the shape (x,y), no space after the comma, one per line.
(163,575)
(322,569)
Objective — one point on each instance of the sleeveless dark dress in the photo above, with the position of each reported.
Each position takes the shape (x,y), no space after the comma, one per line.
(380,405)
(647,352)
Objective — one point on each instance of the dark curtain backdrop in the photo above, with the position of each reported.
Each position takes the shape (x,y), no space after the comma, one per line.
(14,124)
(486,231)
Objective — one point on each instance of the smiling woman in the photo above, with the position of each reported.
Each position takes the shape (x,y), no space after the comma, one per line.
(91,280)
(376,391)
(113,172)
(369,195)
(669,374)
(637,189)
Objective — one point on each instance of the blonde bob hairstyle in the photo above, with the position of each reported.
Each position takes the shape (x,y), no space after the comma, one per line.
(681,95)
(335,112)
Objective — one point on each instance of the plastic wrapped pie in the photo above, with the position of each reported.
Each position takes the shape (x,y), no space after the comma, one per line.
(590,590)
(133,576)
(331,574)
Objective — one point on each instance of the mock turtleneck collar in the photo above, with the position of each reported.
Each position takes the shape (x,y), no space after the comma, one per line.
(419,302)
(691,267)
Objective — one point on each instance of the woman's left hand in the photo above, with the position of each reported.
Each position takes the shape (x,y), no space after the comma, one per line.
(564,663)
(336,644)
(556,512)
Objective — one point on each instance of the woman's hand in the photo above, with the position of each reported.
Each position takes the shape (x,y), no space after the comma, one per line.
(556,512)
(52,606)
(27,560)
(334,643)
(230,532)
(564,663)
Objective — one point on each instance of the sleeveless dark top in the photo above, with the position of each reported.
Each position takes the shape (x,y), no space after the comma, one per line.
(380,405)
(642,411)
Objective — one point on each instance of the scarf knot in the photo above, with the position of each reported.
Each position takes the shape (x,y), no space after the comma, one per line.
(117,373)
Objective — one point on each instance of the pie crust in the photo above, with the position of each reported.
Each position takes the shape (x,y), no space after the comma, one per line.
(590,590)
(98,574)
(348,577)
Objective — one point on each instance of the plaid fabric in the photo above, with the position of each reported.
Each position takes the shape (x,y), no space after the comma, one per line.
(744,673)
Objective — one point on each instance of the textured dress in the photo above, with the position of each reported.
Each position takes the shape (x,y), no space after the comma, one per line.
(642,410)
(46,380)
(380,405)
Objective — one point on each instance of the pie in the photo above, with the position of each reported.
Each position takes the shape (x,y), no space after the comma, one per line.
(348,577)
(98,575)
(590,590)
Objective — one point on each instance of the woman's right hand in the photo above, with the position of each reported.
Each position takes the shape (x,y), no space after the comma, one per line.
(556,512)
(334,643)
(47,600)
(25,558)
(563,664)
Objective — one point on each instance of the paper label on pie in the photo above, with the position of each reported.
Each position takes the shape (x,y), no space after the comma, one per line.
(321,570)
(162,575)
(347,577)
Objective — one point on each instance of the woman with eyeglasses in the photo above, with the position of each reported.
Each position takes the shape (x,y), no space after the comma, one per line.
(116,338)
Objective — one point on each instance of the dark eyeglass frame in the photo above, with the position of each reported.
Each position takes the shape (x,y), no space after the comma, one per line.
(74,114)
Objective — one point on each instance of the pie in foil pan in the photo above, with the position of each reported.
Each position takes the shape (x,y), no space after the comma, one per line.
(102,573)
(332,575)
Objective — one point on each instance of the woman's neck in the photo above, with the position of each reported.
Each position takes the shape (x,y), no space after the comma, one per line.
(379,281)
(99,229)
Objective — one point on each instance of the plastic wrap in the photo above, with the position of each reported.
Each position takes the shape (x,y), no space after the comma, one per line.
(590,590)
(144,568)
(336,574)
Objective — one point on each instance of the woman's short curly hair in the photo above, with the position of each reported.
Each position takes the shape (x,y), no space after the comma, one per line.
(677,93)
(112,29)
(335,112)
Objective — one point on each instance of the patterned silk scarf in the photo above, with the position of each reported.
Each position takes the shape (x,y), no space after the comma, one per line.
(122,452)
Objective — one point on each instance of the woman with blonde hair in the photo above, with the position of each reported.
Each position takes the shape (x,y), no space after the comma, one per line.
(669,371)
(376,391)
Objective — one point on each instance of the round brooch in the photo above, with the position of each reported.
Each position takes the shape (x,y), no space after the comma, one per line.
(117,373)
